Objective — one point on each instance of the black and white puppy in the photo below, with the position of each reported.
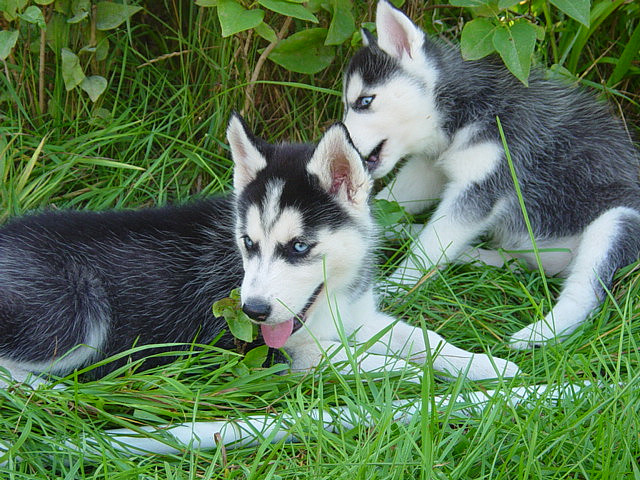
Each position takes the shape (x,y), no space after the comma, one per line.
(409,96)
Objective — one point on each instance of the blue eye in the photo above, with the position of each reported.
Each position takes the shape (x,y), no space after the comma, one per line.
(362,103)
(248,243)
(300,247)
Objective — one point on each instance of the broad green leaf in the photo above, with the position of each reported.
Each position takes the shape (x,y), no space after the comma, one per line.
(94,85)
(304,52)
(316,5)
(388,213)
(80,10)
(342,22)
(72,73)
(576,9)
(289,9)
(207,3)
(470,3)
(11,8)
(33,15)
(502,4)
(44,2)
(515,44)
(79,6)
(239,324)
(234,18)
(78,18)
(256,357)
(476,40)
(8,39)
(110,15)
(266,32)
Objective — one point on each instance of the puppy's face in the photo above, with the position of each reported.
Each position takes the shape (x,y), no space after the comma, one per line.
(300,211)
(389,95)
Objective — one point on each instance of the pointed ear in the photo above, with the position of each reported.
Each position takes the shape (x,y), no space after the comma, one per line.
(247,159)
(397,34)
(368,39)
(338,166)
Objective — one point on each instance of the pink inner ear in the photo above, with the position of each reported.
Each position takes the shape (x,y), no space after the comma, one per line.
(340,175)
(401,43)
(398,36)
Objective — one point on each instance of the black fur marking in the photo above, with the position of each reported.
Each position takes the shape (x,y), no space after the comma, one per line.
(147,276)
(301,190)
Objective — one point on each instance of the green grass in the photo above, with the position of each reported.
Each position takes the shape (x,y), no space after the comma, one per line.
(158,136)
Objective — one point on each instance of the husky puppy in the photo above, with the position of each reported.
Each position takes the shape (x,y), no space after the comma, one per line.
(77,287)
(307,239)
(409,96)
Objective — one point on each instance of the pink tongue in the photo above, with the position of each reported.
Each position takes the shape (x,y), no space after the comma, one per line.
(277,335)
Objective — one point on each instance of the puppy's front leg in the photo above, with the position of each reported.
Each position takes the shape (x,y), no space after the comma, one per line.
(408,342)
(448,233)
(310,355)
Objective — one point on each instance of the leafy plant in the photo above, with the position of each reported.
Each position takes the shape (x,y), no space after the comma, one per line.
(307,50)
(511,28)
(240,325)
(73,30)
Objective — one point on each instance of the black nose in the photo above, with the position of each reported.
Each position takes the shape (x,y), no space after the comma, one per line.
(257,309)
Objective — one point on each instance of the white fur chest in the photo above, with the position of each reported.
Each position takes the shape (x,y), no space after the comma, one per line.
(466,161)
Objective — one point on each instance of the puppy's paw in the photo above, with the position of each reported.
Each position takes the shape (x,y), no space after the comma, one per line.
(537,334)
(484,366)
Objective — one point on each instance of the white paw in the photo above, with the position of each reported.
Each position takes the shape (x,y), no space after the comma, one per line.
(404,277)
(483,366)
(535,335)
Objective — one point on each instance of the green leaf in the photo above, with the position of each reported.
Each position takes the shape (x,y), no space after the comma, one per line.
(470,3)
(240,325)
(342,22)
(8,39)
(388,213)
(266,32)
(304,52)
(515,45)
(78,18)
(111,15)
(256,357)
(33,15)
(94,85)
(502,4)
(234,18)
(44,2)
(476,40)
(11,8)
(577,9)
(80,10)
(207,3)
(72,73)
(289,9)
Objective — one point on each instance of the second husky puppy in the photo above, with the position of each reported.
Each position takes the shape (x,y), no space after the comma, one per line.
(78,287)
(408,96)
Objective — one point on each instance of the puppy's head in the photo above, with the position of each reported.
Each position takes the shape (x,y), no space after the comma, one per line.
(303,224)
(389,93)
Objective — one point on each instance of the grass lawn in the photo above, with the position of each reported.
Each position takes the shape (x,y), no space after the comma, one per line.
(157,135)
